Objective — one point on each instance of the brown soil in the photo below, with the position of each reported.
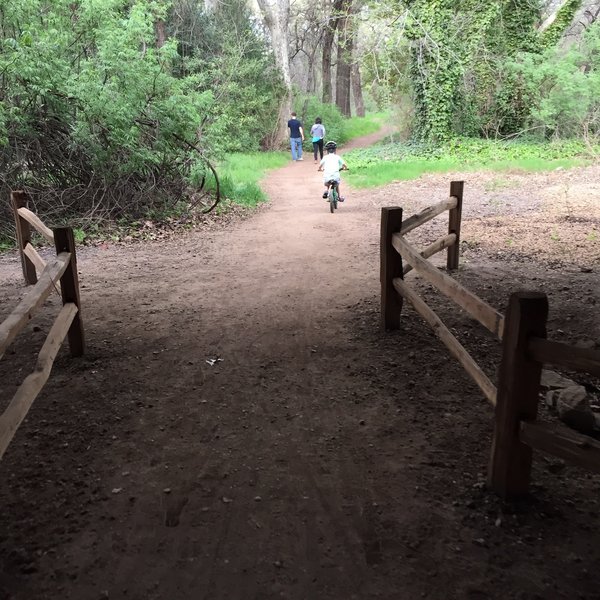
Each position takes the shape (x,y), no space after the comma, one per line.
(316,458)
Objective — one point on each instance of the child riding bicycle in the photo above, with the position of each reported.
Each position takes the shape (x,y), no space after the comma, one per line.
(331,165)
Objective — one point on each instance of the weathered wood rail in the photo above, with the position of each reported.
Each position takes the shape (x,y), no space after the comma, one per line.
(31,261)
(516,431)
(524,347)
(68,323)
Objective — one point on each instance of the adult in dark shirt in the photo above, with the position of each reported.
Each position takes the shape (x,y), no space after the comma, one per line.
(296,137)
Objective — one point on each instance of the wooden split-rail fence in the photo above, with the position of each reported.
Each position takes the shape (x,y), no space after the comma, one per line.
(43,276)
(522,333)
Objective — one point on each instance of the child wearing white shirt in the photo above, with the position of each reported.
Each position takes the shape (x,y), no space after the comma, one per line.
(331,165)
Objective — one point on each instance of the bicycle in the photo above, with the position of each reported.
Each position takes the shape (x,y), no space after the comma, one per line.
(333,196)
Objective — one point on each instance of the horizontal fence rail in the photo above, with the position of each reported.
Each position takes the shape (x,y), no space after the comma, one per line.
(480,310)
(454,346)
(395,248)
(25,310)
(562,442)
(33,255)
(62,270)
(562,355)
(525,348)
(437,246)
(31,261)
(37,224)
(427,214)
(31,387)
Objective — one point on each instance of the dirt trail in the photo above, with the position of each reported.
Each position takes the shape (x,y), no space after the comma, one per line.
(240,429)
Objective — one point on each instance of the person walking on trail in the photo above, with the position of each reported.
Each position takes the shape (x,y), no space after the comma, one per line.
(296,137)
(318,133)
(331,165)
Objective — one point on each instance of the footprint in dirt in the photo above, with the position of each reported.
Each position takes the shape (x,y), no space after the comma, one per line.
(173,506)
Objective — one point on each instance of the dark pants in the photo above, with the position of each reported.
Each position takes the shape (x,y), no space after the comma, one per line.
(318,146)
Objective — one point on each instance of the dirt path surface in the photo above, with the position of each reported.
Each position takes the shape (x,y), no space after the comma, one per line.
(241,429)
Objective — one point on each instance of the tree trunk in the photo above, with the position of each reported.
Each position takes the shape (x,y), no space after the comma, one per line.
(311,80)
(160,9)
(276,15)
(344,64)
(310,76)
(328,39)
(359,103)
(161,36)
(326,68)
(355,79)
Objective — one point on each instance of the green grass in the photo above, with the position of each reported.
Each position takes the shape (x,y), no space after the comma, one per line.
(79,235)
(240,173)
(375,174)
(536,164)
(383,164)
(358,126)
(379,174)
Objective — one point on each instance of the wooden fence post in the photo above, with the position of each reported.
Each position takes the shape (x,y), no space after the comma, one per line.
(19,199)
(69,287)
(456,190)
(518,391)
(390,267)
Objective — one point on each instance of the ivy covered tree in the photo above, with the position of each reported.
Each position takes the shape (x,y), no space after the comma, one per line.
(459,54)
(458,50)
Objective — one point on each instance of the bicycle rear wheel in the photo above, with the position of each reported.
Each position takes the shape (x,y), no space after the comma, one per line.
(332,200)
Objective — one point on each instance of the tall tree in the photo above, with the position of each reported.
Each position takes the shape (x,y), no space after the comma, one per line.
(306,41)
(359,103)
(160,10)
(458,52)
(276,15)
(344,60)
(328,39)
(355,77)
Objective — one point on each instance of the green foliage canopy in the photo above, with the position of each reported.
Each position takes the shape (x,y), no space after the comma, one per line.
(96,111)
(562,88)
(226,53)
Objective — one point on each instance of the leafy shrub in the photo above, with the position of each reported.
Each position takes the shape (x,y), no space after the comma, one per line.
(226,54)
(310,107)
(112,123)
(563,87)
